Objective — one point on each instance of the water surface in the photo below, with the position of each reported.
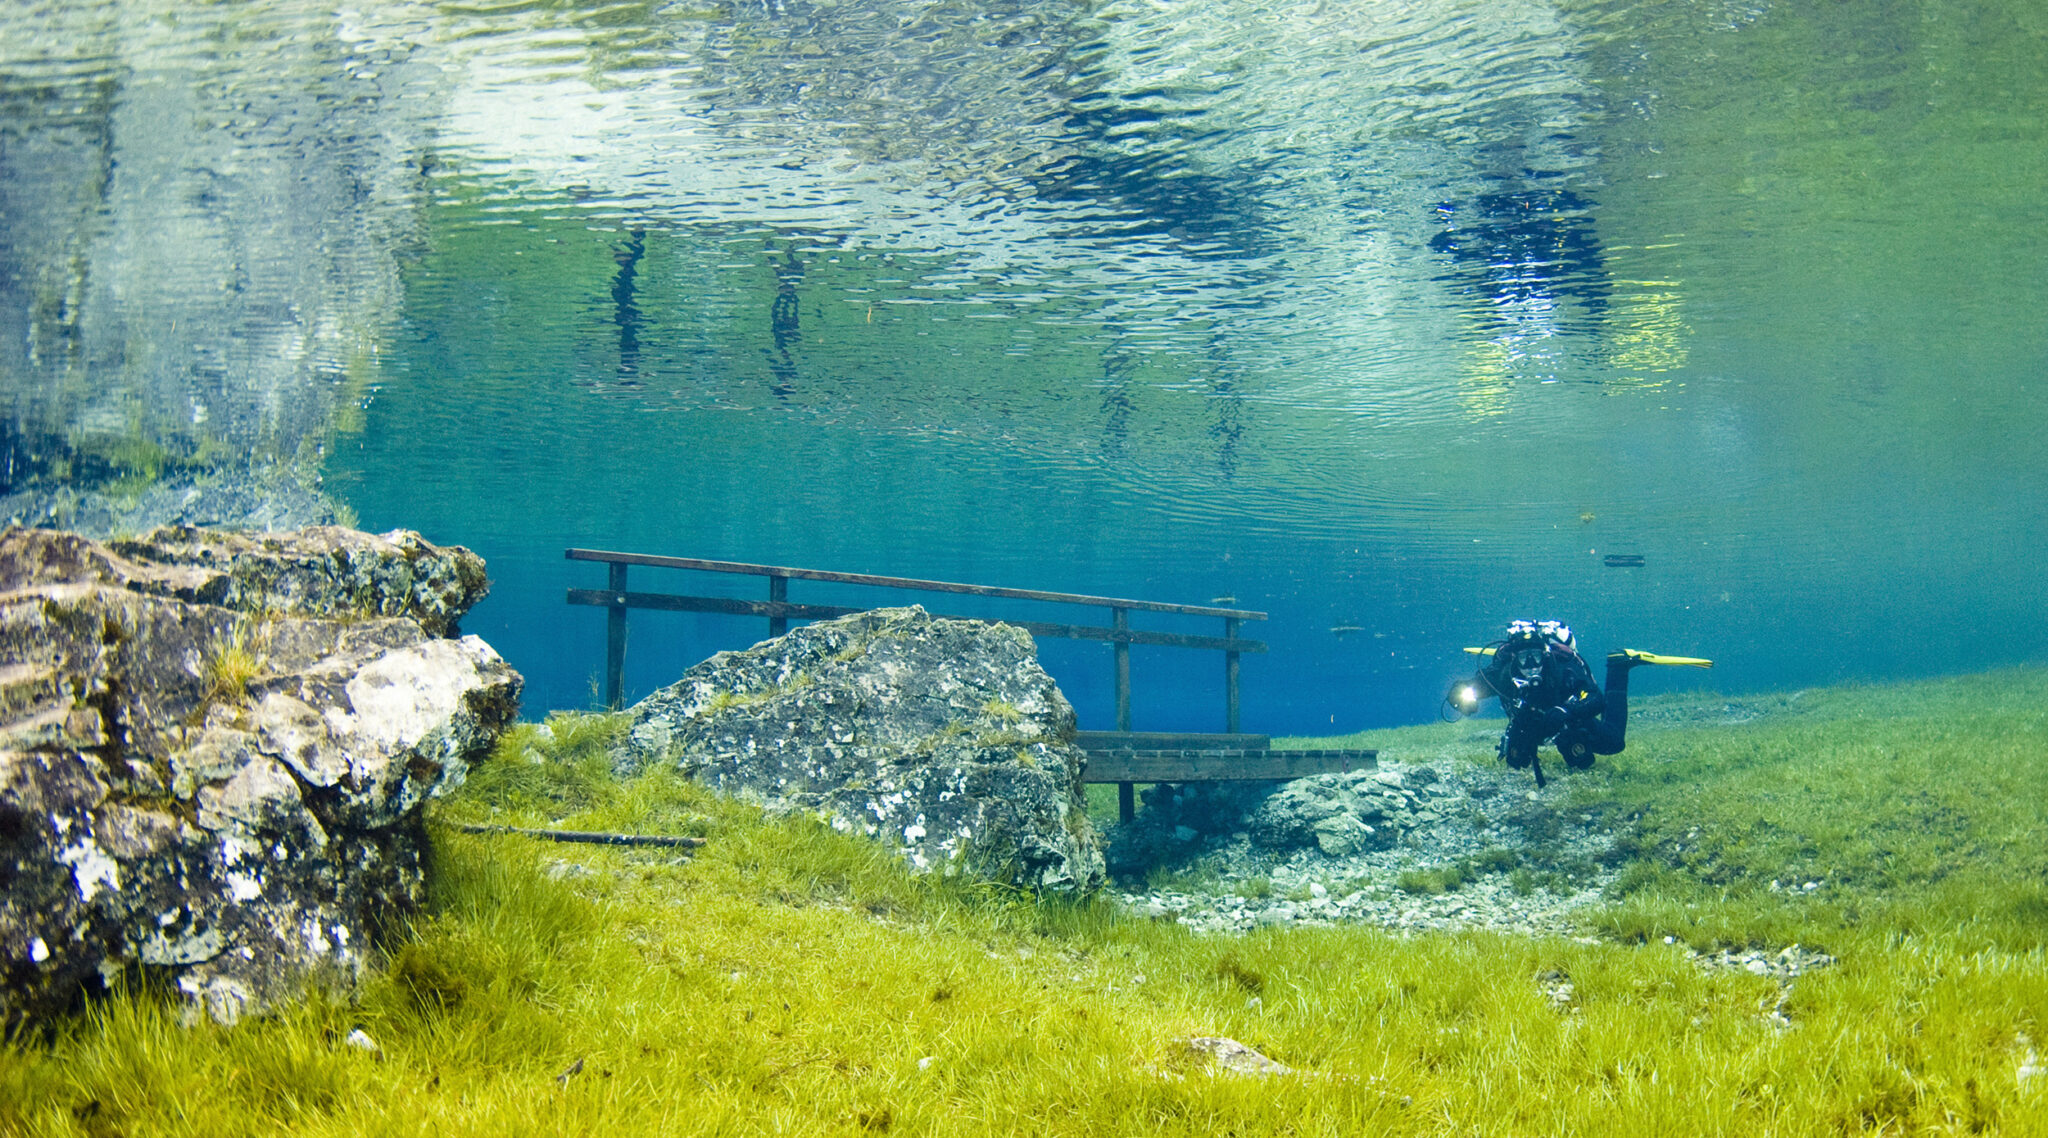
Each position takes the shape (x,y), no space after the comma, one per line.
(1398,317)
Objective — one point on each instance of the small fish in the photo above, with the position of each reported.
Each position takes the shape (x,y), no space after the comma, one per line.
(575,1068)
(1586,517)
(1623,561)
(1343,630)
(1222,600)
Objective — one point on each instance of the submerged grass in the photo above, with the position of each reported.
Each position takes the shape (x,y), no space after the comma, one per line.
(789,979)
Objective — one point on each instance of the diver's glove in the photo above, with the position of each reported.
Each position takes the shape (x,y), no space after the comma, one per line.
(1552,718)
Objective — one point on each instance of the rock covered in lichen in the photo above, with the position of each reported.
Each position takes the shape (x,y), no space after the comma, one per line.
(321,571)
(213,750)
(943,738)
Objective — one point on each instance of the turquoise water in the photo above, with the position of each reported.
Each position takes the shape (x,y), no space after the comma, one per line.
(1396,317)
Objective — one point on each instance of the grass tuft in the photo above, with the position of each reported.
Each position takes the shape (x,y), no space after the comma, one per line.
(234,658)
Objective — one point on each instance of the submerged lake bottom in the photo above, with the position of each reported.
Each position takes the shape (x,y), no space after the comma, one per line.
(1821,912)
(1764,813)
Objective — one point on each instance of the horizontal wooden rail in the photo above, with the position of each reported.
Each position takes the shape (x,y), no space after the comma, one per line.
(903,583)
(672,602)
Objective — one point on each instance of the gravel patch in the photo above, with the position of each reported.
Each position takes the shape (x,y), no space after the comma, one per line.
(1431,841)
(1424,843)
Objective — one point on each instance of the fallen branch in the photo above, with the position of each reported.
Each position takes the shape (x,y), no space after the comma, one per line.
(588,837)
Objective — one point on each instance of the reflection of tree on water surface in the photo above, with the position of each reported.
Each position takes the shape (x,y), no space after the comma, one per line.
(1118,366)
(1525,250)
(625,312)
(783,327)
(1526,266)
(1228,429)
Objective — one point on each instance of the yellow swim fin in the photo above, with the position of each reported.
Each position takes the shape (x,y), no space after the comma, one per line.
(1653,658)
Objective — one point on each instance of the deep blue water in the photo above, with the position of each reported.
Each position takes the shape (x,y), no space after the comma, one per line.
(1394,317)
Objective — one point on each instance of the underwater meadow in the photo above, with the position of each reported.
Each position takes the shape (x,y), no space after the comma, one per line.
(1712,328)
(789,979)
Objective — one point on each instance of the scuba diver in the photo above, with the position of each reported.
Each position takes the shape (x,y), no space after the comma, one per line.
(1548,693)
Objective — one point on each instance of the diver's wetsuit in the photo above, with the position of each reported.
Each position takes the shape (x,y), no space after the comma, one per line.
(1601,732)
(1563,703)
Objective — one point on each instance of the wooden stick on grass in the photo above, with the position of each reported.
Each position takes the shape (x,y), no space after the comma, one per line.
(589,837)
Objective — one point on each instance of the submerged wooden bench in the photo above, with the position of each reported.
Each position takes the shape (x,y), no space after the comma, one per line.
(1130,757)
(1123,756)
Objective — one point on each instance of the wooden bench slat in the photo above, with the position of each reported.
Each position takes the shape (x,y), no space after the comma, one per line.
(1222,766)
(1169,741)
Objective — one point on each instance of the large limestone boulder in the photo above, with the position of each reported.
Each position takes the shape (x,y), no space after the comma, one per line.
(943,738)
(321,571)
(213,751)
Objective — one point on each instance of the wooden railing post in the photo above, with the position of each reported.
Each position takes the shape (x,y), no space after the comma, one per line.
(615,640)
(778,593)
(1230,624)
(1126,793)
(1120,619)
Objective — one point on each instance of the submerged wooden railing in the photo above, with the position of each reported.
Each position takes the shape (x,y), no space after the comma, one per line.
(1123,756)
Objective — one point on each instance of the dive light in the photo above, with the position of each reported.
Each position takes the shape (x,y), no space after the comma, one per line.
(1465,697)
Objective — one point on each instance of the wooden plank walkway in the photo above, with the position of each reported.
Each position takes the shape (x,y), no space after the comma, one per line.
(1221,766)
(1169,756)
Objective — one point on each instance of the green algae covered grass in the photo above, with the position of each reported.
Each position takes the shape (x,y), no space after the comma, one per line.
(788,979)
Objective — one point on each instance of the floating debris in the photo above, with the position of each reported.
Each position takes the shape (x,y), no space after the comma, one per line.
(1234,1057)
(1623,561)
(1340,631)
